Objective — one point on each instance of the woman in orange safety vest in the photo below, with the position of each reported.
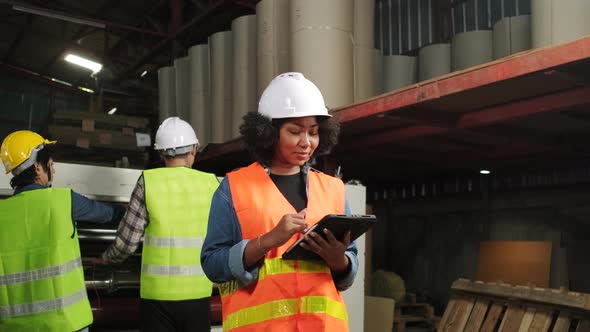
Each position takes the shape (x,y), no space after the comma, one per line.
(258,211)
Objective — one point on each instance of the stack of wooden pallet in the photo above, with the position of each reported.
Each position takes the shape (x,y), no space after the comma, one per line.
(487,307)
(110,136)
(411,316)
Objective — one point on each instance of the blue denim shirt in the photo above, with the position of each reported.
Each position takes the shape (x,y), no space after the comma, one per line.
(223,249)
(83,209)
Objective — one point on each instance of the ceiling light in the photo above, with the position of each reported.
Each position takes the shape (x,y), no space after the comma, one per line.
(86,89)
(143,74)
(112,111)
(60,81)
(484,171)
(94,66)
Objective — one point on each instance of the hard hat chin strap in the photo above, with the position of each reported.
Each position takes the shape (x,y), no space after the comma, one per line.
(49,176)
(176,151)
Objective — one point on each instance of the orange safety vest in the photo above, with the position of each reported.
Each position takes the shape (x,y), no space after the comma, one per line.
(289,295)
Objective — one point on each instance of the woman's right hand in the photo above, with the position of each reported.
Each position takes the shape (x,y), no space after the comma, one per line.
(289,225)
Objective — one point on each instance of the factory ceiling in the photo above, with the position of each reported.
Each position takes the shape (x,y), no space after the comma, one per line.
(129,38)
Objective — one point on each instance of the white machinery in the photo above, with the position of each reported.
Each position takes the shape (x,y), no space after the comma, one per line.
(355,295)
(97,182)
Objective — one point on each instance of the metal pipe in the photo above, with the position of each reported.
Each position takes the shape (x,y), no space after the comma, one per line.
(101,24)
(115,281)
(97,234)
(98,230)
(99,238)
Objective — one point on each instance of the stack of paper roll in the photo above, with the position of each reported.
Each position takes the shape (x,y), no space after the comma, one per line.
(433,61)
(221,55)
(200,101)
(555,22)
(512,35)
(183,86)
(272,41)
(378,71)
(364,41)
(321,46)
(166,93)
(471,49)
(398,71)
(244,98)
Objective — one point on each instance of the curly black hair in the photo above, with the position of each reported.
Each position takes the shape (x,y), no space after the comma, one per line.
(261,135)
(29,175)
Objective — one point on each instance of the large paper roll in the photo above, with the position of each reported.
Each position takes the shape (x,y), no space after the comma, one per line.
(244,70)
(166,93)
(272,32)
(183,85)
(541,23)
(221,51)
(330,67)
(399,71)
(434,60)
(555,22)
(200,100)
(363,41)
(321,46)
(378,71)
(364,71)
(364,23)
(511,35)
(471,49)
(325,14)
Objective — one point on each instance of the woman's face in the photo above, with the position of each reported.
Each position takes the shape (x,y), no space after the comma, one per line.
(298,139)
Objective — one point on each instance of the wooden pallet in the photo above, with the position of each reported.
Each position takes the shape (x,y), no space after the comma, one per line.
(490,307)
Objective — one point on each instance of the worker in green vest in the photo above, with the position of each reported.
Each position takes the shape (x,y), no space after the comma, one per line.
(41,276)
(169,208)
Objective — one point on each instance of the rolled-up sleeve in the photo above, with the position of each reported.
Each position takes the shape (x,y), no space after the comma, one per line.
(223,249)
(344,280)
(131,229)
(85,209)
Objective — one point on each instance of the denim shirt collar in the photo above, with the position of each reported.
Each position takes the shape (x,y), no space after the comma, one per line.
(32,186)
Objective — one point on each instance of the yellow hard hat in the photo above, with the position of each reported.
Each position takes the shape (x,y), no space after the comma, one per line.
(18,148)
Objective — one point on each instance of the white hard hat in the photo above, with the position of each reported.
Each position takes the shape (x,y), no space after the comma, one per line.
(175,136)
(291,95)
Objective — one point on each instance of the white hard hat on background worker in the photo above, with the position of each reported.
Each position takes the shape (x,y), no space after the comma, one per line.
(175,137)
(291,95)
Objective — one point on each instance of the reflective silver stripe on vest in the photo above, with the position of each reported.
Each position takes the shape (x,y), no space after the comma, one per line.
(42,306)
(176,242)
(177,270)
(44,273)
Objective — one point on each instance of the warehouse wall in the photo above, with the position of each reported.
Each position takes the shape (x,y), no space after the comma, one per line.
(402,26)
(473,15)
(433,241)
(26,104)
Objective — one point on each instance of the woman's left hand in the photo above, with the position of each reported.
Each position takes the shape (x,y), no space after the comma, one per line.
(330,250)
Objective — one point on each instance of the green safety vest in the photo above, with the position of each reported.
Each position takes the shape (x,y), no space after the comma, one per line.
(41,276)
(178,201)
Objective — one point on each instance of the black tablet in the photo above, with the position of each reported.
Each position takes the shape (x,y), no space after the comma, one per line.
(338,224)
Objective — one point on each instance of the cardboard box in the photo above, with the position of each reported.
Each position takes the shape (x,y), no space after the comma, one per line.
(87,125)
(379,313)
(83,142)
(515,262)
